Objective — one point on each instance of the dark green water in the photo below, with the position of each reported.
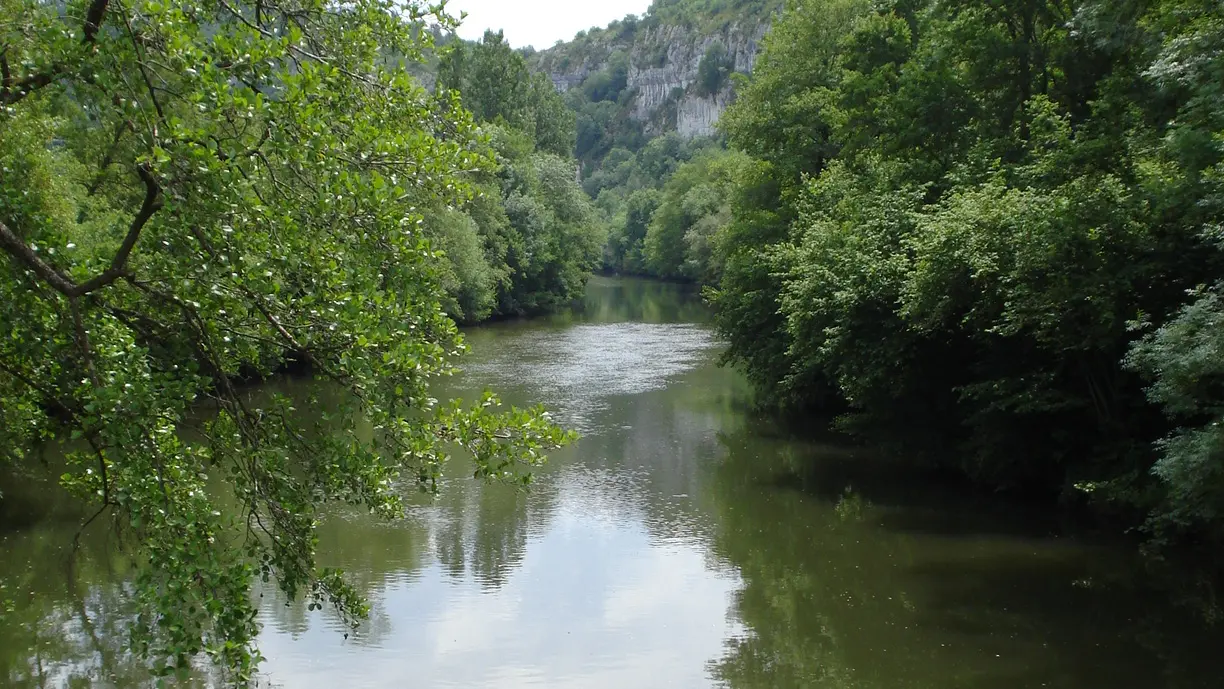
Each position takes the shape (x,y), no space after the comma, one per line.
(681,543)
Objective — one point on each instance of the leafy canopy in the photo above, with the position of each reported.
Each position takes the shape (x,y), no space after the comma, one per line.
(198,194)
(957,214)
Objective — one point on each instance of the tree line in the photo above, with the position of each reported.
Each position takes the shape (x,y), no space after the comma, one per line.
(987,235)
(526,241)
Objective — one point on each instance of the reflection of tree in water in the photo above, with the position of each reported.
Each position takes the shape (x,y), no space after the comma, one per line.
(892,584)
(72,611)
(481,529)
(848,581)
(644,461)
(791,642)
(640,301)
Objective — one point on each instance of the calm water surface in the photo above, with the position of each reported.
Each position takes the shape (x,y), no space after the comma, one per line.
(682,543)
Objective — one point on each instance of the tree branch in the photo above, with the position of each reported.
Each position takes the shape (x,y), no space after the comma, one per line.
(152,203)
(94,18)
(293,47)
(15,92)
(6,76)
(13,244)
(82,341)
(144,73)
(122,128)
(19,250)
(49,397)
(11,92)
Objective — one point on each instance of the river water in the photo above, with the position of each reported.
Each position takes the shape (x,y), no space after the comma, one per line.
(683,542)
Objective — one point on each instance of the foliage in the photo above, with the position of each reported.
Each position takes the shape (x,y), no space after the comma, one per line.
(468,279)
(779,117)
(956,212)
(608,83)
(623,156)
(710,15)
(604,124)
(194,196)
(496,85)
(705,17)
(1186,360)
(539,235)
(629,190)
(626,246)
(558,237)
(714,69)
(685,230)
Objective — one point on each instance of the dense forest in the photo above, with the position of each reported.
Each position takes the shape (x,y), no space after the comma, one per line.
(985,234)
(991,231)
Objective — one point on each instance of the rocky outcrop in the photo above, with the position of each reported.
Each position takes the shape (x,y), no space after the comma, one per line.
(697,116)
(664,69)
(672,83)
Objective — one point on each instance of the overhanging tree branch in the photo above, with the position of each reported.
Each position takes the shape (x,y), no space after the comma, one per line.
(152,203)
(49,396)
(17,248)
(16,91)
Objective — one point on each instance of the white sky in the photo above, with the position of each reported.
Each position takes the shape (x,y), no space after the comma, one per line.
(540,23)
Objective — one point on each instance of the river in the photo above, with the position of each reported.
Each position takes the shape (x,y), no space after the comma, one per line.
(683,542)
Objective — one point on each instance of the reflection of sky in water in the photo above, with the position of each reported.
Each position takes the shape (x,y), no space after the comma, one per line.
(596,601)
(601,595)
(575,371)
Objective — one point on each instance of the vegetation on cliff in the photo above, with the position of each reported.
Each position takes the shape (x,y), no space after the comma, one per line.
(628,149)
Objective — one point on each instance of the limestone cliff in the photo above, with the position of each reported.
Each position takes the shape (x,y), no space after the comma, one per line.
(665,90)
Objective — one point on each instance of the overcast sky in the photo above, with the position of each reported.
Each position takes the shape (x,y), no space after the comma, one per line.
(540,23)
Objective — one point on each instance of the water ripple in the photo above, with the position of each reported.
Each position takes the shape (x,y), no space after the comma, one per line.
(577,370)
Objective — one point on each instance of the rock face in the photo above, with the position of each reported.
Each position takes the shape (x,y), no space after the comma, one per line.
(659,87)
(664,66)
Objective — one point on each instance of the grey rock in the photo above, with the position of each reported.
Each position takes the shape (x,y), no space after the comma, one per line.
(663,71)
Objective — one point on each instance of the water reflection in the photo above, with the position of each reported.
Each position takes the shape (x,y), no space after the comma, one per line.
(681,543)
(867,584)
(580,370)
(601,575)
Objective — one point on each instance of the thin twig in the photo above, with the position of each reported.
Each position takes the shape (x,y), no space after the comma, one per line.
(298,49)
(76,539)
(48,396)
(107,159)
(144,73)
(82,340)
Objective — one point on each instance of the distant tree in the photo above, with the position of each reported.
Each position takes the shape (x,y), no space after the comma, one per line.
(714,69)
(608,83)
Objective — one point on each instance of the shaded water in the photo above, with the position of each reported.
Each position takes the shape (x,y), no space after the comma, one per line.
(682,543)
